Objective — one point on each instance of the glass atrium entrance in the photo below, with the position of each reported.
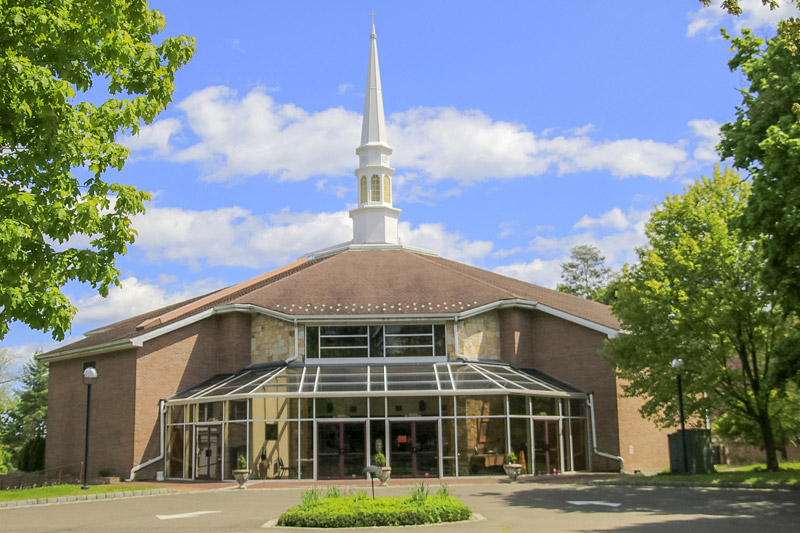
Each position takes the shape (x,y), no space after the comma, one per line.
(327,421)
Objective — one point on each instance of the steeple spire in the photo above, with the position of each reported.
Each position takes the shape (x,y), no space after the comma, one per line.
(375,220)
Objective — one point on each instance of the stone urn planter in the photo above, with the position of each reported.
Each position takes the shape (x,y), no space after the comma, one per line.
(513,470)
(241,477)
(384,474)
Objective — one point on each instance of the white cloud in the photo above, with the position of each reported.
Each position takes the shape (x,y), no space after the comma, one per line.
(614,233)
(344,88)
(255,135)
(235,237)
(435,237)
(754,15)
(134,297)
(708,131)
(610,219)
(239,137)
(154,137)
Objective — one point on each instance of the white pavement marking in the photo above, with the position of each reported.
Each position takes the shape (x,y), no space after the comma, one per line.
(184,515)
(607,504)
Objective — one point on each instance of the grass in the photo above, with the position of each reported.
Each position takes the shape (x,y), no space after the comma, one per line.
(755,473)
(57,491)
(349,508)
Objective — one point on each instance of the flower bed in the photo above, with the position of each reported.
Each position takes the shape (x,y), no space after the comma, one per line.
(358,510)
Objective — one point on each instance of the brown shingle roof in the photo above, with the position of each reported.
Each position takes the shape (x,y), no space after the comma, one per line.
(387,282)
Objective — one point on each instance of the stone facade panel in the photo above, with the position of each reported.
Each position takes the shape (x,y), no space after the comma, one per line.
(272,339)
(479,336)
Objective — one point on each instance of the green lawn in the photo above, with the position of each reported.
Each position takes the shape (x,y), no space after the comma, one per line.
(57,491)
(789,474)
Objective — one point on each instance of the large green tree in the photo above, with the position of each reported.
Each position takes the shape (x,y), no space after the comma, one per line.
(764,142)
(695,294)
(26,417)
(585,274)
(74,74)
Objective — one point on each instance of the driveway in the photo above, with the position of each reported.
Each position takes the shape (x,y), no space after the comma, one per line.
(504,507)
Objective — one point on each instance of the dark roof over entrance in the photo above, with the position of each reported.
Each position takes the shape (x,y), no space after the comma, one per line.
(361,284)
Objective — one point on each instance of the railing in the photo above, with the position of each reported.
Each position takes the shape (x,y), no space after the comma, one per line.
(70,473)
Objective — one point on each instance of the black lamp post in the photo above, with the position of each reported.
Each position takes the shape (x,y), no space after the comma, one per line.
(677,364)
(89,377)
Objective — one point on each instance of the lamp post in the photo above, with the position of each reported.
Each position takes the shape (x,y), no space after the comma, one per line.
(89,377)
(677,364)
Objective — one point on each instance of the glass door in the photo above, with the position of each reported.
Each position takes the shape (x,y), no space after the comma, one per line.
(209,452)
(341,450)
(414,449)
(546,446)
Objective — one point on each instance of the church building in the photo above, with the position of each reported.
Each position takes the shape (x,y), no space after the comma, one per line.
(371,346)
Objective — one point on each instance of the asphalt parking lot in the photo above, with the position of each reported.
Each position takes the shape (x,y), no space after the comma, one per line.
(503,507)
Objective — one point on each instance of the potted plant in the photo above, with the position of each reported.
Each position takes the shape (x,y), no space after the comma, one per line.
(512,467)
(241,473)
(385,472)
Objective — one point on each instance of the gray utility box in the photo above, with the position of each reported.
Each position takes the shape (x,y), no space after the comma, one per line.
(699,457)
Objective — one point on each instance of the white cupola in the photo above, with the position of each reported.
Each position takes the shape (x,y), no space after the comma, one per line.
(375,220)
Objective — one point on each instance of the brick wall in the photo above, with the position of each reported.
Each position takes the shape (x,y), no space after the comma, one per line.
(177,361)
(642,445)
(111,425)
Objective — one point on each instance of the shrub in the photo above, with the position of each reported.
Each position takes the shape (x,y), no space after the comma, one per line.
(356,510)
(379,459)
(31,456)
(511,457)
(241,462)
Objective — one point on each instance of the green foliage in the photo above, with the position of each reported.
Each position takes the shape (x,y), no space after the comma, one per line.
(241,462)
(733,7)
(511,457)
(31,456)
(27,415)
(379,459)
(56,143)
(695,294)
(443,490)
(309,497)
(585,274)
(356,510)
(764,141)
(57,491)
(419,493)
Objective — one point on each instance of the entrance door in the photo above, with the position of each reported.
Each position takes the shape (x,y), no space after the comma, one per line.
(341,450)
(546,446)
(414,449)
(209,452)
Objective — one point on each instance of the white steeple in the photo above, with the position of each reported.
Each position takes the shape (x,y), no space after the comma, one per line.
(375,220)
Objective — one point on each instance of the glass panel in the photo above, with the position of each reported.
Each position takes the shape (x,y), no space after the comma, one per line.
(341,450)
(409,340)
(209,412)
(354,446)
(312,342)
(481,446)
(377,432)
(420,351)
(343,330)
(576,407)
(481,405)
(414,406)
(544,406)
(376,341)
(271,407)
(345,352)
(377,407)
(440,341)
(326,342)
(407,329)
(520,442)
(175,414)
(175,450)
(578,430)
(401,446)
(411,378)
(307,450)
(259,466)
(235,445)
(274,444)
(448,406)
(187,452)
(341,407)
(376,379)
(449,446)
(306,408)
(426,449)
(517,405)
(328,448)
(237,410)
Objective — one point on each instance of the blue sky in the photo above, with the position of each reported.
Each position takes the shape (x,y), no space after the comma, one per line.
(520,129)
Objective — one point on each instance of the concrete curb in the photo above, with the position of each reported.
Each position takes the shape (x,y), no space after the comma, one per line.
(86,497)
(699,484)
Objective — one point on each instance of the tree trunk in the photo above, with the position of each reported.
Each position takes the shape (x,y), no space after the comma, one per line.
(769,440)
